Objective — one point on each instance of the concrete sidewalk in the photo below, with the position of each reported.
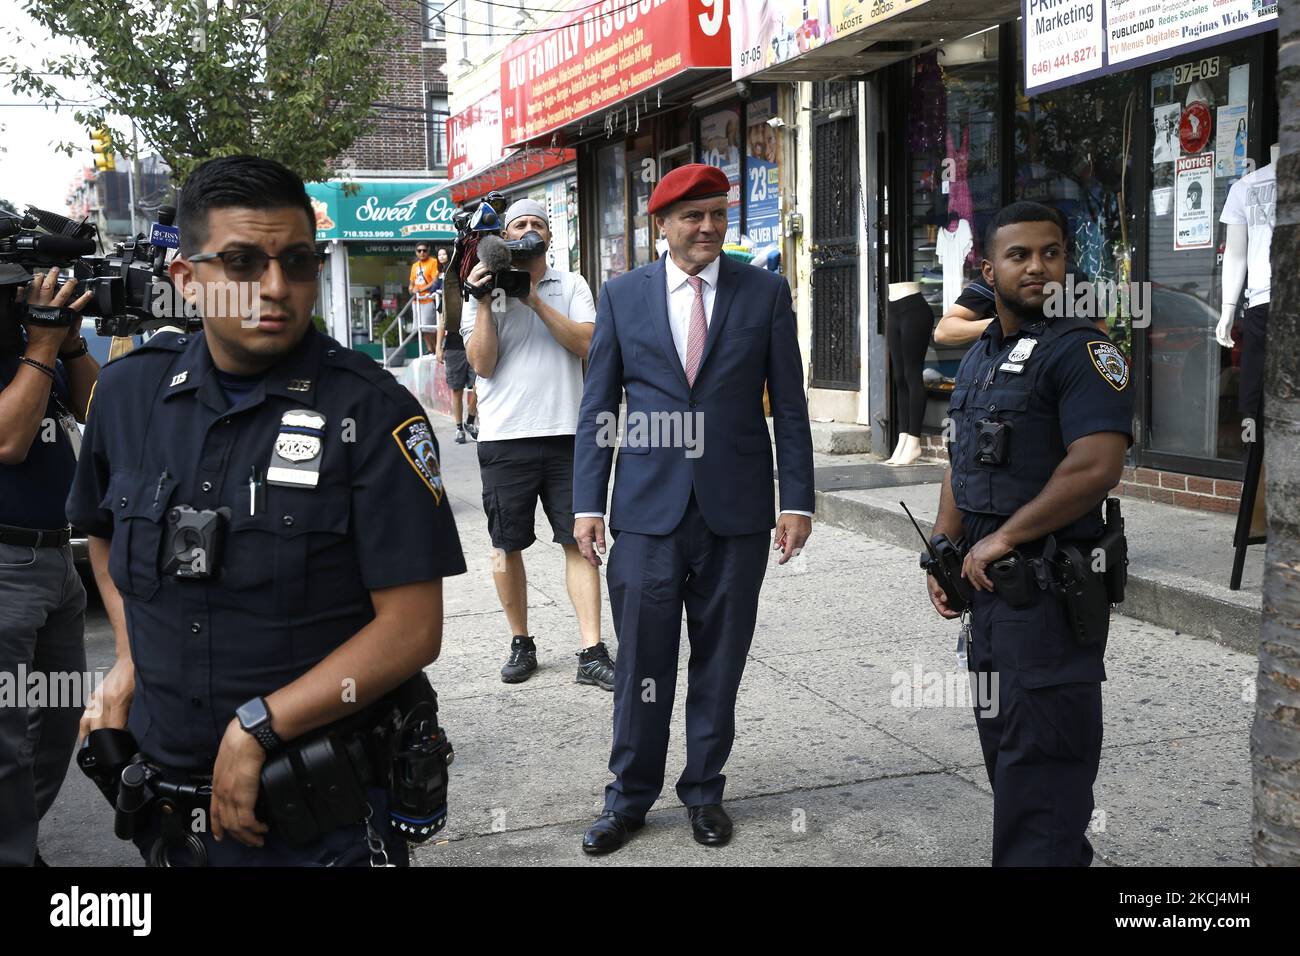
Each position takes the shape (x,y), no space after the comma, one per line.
(1179,560)
(840,755)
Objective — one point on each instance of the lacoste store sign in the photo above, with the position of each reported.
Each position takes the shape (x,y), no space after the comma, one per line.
(1068,41)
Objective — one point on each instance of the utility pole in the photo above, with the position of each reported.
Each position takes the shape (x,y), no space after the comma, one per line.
(133,176)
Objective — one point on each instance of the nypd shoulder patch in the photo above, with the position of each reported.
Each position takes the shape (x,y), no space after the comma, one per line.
(1110,363)
(415,437)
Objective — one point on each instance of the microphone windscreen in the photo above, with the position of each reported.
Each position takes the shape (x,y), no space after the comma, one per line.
(494,253)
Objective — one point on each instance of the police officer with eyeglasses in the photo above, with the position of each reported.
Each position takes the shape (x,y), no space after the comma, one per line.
(269,509)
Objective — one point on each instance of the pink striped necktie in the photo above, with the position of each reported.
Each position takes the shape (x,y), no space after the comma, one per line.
(698,331)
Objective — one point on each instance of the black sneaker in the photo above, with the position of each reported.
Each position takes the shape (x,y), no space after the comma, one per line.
(472,429)
(460,434)
(595,666)
(523,660)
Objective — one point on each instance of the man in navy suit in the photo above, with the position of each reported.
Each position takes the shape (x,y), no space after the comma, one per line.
(693,339)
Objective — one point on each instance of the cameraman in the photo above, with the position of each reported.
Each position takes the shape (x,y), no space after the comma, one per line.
(46,377)
(527,354)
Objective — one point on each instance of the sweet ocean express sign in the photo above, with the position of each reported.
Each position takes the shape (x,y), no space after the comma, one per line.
(377,212)
(587,60)
(1068,41)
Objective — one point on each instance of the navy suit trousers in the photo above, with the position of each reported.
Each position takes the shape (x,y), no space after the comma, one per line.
(651,578)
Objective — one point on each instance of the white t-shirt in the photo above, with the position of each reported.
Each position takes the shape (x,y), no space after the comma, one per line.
(952,248)
(1252,202)
(536,388)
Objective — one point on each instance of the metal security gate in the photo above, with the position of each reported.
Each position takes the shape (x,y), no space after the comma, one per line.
(835,338)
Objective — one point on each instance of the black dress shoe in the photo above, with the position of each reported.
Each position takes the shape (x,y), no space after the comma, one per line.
(610,831)
(710,823)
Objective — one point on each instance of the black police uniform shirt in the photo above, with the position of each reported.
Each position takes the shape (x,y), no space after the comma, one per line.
(1052,383)
(33,492)
(299,560)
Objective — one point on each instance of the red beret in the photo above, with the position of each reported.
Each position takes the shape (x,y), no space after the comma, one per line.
(692,181)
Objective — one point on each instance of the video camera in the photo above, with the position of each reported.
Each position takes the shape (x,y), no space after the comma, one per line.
(478,239)
(132,292)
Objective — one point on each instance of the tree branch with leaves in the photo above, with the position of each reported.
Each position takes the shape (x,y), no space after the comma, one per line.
(289,80)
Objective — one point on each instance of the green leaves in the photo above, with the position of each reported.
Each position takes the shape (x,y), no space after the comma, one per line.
(291,80)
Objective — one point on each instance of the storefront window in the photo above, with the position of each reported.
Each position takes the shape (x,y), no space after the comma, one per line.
(640,169)
(1199,149)
(610,171)
(954,163)
(720,146)
(1072,153)
(762,174)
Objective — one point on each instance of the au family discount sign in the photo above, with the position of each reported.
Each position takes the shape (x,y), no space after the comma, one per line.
(585,61)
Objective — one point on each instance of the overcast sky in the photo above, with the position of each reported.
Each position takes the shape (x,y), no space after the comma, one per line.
(31,172)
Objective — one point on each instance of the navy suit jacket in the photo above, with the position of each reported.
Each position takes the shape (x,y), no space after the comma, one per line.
(751,342)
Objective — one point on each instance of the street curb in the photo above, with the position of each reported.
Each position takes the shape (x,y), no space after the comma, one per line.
(1187,612)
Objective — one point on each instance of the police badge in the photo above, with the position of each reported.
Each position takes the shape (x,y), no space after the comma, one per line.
(415,437)
(295,460)
(1110,363)
(1021,352)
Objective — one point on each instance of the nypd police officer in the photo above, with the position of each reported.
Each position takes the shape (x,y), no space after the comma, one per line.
(1041,412)
(270,510)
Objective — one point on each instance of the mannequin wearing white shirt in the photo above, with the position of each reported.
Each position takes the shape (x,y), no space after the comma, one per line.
(1237,253)
(1235,250)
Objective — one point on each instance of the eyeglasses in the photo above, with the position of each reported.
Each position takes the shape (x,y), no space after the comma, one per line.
(247,265)
(421,249)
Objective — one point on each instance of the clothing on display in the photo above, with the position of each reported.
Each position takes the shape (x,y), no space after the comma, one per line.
(1252,202)
(1090,247)
(952,248)
(1254,333)
(960,203)
(929,102)
(907,332)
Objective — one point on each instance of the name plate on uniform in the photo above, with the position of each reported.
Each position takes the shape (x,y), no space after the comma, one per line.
(295,459)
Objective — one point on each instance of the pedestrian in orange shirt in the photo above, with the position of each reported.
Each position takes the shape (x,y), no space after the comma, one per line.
(424,273)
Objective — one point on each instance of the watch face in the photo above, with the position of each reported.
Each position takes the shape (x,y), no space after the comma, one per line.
(252,714)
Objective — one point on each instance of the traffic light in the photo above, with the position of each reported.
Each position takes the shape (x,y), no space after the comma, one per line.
(102,146)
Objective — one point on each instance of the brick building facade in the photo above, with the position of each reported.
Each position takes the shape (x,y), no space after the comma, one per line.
(407,135)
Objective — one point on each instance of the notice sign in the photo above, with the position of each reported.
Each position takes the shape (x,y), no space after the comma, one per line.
(1194,202)
(1063,38)
(604,53)
(1067,41)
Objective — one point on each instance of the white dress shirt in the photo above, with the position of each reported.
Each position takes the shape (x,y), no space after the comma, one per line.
(681,301)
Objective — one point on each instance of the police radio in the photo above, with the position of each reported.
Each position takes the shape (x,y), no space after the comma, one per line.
(944,563)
